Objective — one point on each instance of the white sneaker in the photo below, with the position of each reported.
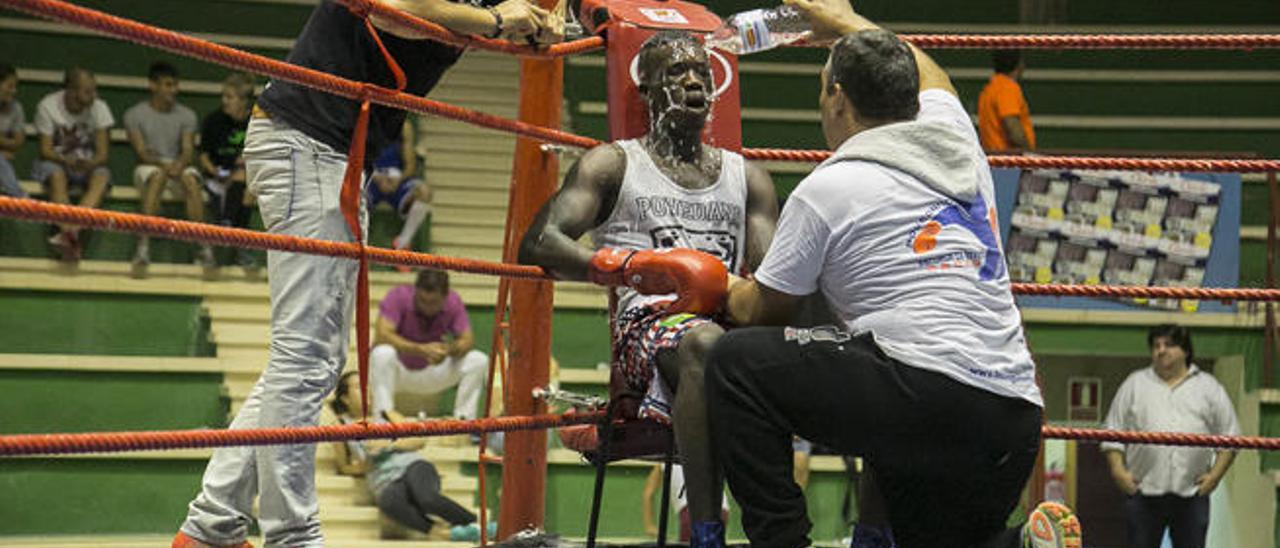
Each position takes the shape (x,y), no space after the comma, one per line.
(206,260)
(1052,525)
(141,260)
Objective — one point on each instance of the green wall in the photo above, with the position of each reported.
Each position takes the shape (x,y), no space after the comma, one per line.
(43,322)
(579,337)
(101,495)
(81,401)
(96,496)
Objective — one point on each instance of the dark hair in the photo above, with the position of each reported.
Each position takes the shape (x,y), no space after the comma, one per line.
(433,280)
(1005,61)
(1178,335)
(242,83)
(73,74)
(6,71)
(340,408)
(660,39)
(878,73)
(161,69)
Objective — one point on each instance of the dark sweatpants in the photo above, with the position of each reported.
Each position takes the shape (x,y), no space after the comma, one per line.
(1186,517)
(416,495)
(950,459)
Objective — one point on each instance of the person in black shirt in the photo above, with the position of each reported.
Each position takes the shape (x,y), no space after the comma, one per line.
(222,135)
(295,158)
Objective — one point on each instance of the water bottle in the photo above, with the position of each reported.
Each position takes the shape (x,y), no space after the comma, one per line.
(759,30)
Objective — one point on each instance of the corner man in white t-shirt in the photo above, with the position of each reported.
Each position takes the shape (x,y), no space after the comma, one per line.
(927,377)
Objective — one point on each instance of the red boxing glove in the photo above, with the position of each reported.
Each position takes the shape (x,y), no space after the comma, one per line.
(699,280)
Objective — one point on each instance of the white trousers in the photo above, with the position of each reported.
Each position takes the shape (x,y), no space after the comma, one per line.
(387,376)
(297,180)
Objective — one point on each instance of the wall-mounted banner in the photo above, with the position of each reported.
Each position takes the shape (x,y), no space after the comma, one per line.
(1120,228)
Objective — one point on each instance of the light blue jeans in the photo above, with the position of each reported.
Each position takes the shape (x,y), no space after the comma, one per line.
(298,181)
(9,180)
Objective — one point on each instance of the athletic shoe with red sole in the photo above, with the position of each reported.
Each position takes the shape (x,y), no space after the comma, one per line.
(181,540)
(1052,525)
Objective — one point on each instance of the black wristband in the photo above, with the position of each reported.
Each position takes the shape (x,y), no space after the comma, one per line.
(497,23)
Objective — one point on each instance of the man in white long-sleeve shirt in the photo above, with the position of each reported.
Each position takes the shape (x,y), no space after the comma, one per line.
(1169,486)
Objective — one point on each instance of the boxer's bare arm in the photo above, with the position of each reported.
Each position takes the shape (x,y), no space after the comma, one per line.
(762,214)
(516,19)
(583,202)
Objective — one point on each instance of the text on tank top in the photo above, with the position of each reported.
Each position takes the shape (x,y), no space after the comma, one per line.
(654,212)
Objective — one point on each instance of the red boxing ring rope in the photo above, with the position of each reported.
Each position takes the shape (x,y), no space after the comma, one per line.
(230,57)
(105,442)
(101,442)
(1095,41)
(167,40)
(440,34)
(215,53)
(1162,438)
(32,210)
(1205,165)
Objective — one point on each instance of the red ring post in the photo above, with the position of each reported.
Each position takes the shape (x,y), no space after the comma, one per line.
(534,173)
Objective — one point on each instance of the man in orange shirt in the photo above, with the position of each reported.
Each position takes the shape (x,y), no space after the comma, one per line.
(1004,121)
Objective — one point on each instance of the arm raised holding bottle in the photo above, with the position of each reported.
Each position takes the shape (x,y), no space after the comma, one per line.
(831,19)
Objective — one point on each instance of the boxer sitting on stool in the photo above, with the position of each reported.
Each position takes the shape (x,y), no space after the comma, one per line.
(667,212)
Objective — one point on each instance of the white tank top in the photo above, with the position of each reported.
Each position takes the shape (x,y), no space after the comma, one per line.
(654,212)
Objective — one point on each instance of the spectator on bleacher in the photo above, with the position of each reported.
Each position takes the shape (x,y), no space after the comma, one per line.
(12,134)
(423,344)
(73,125)
(301,134)
(163,133)
(1004,119)
(397,181)
(1166,486)
(222,157)
(405,486)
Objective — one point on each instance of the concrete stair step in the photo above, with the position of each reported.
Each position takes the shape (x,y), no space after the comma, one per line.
(475,236)
(113,277)
(450,144)
(448,127)
(484,254)
(498,225)
(257,310)
(462,215)
(464,178)
(460,488)
(448,137)
(481,162)
(473,197)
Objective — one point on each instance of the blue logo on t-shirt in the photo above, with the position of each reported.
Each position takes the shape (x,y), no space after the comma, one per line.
(974,217)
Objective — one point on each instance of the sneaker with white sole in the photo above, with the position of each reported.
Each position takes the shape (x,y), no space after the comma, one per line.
(1052,525)
(208,263)
(141,260)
